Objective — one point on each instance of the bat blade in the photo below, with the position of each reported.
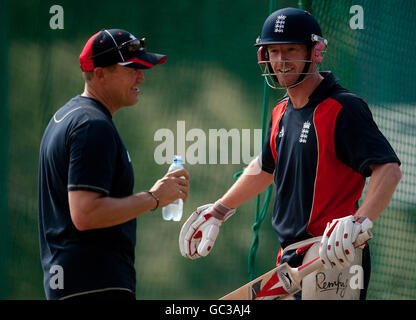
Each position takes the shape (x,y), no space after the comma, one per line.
(280,285)
(277,283)
(282,281)
(250,290)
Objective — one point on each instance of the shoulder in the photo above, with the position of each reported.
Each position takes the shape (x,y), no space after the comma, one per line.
(280,108)
(282,103)
(349,101)
(80,113)
(80,108)
(88,125)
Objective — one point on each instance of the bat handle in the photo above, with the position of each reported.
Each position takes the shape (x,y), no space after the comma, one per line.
(316,263)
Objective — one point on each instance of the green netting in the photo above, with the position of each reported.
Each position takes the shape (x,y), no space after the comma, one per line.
(211,81)
(376,63)
(4,144)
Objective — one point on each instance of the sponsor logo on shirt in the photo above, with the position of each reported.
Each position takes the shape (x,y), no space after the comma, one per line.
(282,132)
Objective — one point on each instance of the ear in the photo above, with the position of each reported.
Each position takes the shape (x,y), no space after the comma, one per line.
(316,52)
(99,73)
(262,55)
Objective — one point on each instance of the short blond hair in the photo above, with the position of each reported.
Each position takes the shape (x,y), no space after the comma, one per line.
(88,75)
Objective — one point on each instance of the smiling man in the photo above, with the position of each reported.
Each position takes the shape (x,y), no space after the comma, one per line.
(322,144)
(87,209)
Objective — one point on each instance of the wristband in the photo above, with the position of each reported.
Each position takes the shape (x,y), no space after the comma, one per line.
(220,211)
(154,197)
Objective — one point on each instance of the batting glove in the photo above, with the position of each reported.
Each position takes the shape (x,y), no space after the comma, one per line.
(199,232)
(337,244)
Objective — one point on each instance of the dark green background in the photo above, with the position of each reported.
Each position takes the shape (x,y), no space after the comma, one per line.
(211,80)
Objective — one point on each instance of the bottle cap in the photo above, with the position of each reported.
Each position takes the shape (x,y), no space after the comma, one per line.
(177,159)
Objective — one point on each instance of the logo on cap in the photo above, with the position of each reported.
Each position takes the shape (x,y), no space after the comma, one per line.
(280,23)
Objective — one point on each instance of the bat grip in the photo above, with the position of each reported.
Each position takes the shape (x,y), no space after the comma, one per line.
(316,263)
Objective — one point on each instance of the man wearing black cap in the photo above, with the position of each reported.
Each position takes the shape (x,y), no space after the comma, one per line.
(87,209)
(322,144)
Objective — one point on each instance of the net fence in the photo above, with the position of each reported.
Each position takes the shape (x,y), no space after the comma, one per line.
(210,82)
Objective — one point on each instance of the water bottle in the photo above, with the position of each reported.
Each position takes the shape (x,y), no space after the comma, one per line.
(173,211)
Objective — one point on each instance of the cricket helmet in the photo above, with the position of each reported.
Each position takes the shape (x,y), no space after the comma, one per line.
(290,26)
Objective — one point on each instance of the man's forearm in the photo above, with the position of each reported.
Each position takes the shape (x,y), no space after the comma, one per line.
(252,182)
(91,211)
(383,183)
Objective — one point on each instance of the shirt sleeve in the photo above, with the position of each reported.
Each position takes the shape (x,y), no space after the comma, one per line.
(266,160)
(92,157)
(358,141)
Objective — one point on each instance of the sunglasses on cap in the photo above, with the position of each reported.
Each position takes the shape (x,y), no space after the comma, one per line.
(135,45)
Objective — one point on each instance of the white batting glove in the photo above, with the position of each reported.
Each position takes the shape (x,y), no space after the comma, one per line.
(337,248)
(199,232)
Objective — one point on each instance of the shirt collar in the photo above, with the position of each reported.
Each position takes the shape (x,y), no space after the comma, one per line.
(98,105)
(322,91)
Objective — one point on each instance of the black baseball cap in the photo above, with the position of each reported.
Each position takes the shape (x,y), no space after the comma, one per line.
(111,46)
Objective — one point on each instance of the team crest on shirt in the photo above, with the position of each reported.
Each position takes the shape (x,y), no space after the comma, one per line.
(282,132)
(305,131)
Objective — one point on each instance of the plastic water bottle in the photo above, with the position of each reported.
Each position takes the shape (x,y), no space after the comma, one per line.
(173,211)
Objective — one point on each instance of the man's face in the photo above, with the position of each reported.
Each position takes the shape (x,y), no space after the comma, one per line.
(287,61)
(122,85)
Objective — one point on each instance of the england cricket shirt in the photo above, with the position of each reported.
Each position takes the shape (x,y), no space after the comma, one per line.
(320,156)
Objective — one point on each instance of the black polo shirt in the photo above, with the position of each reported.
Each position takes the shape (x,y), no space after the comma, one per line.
(320,156)
(82,150)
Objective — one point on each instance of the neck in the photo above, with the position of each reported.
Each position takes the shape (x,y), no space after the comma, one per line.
(91,92)
(299,95)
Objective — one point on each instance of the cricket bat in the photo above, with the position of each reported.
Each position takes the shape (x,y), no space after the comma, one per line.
(282,281)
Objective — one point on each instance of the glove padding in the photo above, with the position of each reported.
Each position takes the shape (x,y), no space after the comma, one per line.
(199,232)
(337,244)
